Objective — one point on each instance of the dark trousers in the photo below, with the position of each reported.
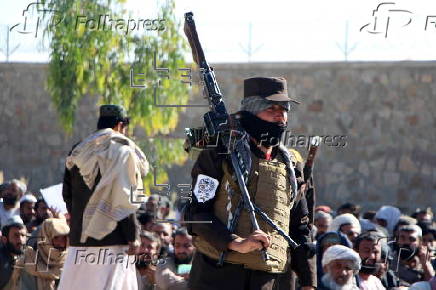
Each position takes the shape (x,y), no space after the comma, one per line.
(206,275)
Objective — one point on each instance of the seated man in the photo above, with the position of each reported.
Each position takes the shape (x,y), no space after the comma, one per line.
(322,222)
(165,232)
(174,274)
(368,245)
(46,263)
(147,259)
(13,241)
(404,220)
(324,242)
(428,235)
(27,212)
(151,206)
(387,276)
(411,257)
(164,207)
(429,240)
(42,212)
(11,192)
(424,215)
(146,220)
(340,265)
(347,224)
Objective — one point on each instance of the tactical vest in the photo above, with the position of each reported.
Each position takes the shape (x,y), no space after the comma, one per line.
(269,188)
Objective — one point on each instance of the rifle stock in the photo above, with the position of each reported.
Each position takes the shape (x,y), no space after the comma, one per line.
(194,42)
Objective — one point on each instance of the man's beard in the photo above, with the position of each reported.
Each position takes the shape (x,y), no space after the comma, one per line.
(369,268)
(143,260)
(331,284)
(183,259)
(11,248)
(40,219)
(26,218)
(406,252)
(140,264)
(10,201)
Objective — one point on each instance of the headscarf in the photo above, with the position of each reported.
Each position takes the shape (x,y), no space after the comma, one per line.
(322,214)
(390,214)
(89,154)
(46,264)
(339,252)
(346,218)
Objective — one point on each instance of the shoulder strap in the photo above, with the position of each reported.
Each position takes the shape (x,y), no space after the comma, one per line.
(290,168)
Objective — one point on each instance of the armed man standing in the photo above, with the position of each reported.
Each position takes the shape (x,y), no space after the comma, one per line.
(254,259)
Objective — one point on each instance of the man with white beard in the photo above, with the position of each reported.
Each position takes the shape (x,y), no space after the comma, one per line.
(340,265)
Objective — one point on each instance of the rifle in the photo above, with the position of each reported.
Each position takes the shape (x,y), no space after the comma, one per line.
(218,124)
(308,166)
(307,171)
(217,121)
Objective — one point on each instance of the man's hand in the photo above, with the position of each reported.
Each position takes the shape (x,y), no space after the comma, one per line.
(133,248)
(424,258)
(256,241)
(423,254)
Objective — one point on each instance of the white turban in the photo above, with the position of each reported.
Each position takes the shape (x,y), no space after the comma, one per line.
(346,218)
(321,214)
(390,214)
(28,198)
(21,185)
(339,252)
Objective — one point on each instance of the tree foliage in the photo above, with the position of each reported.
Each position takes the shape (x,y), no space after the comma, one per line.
(97,62)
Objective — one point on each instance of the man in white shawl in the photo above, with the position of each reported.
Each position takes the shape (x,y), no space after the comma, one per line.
(102,175)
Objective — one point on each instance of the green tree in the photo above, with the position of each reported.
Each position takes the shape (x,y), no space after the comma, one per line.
(98,62)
